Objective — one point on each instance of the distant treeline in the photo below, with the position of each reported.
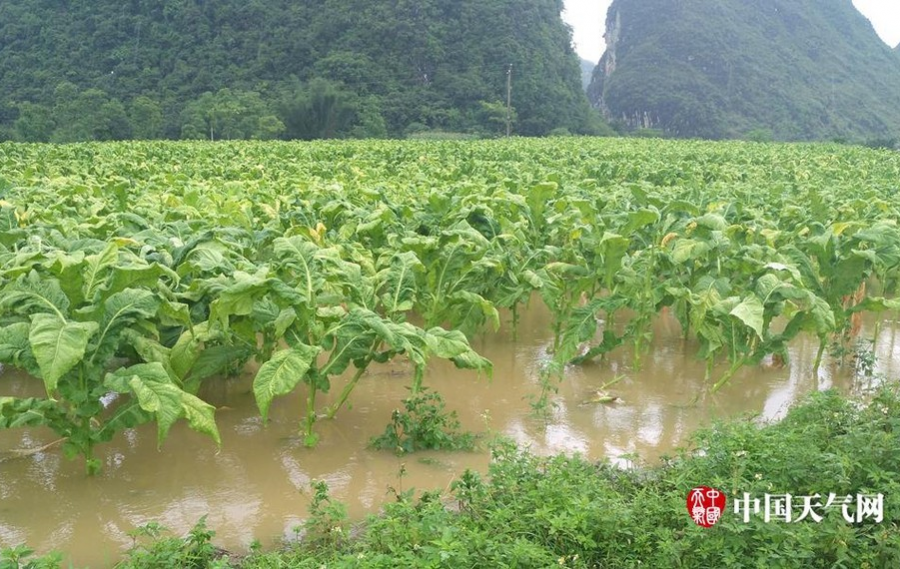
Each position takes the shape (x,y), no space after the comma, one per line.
(104,70)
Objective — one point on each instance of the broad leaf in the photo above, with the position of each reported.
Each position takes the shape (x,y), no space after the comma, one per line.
(58,345)
(298,254)
(33,293)
(13,340)
(398,282)
(31,412)
(136,276)
(281,374)
(126,308)
(95,271)
(750,311)
(160,396)
(215,360)
(453,345)
(688,250)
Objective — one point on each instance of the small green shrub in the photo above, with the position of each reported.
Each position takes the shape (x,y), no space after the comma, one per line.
(326,527)
(423,425)
(151,548)
(18,558)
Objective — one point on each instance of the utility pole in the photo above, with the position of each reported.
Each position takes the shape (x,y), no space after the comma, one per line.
(509,101)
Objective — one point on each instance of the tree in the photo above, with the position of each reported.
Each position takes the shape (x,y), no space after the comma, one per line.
(492,116)
(87,115)
(319,109)
(269,127)
(230,115)
(35,123)
(385,63)
(146,118)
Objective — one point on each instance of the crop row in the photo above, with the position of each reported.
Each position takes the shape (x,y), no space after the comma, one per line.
(130,273)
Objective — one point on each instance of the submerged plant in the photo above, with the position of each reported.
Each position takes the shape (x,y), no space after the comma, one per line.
(68,319)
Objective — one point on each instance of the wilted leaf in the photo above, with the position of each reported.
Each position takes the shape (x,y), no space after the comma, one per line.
(160,396)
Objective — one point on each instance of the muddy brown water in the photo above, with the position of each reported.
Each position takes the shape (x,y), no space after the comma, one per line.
(258,485)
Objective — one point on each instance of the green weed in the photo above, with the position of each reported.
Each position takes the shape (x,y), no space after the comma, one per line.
(423,425)
(152,548)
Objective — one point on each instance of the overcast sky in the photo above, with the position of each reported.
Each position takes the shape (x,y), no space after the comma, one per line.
(587,18)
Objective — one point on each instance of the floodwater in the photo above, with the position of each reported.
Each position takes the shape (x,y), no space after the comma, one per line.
(258,485)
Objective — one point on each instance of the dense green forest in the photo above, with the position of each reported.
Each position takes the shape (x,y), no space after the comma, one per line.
(784,69)
(101,70)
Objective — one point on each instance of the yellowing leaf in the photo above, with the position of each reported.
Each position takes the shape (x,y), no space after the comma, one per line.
(126,242)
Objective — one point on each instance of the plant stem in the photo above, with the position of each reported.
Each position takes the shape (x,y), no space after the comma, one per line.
(613,381)
(515,321)
(738,363)
(819,354)
(311,410)
(332,411)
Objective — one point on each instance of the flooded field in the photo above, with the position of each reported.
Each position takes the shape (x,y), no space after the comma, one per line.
(257,485)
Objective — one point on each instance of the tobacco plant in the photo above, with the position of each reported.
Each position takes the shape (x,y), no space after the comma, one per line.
(76,320)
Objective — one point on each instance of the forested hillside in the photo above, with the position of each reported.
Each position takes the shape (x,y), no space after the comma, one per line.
(77,70)
(788,69)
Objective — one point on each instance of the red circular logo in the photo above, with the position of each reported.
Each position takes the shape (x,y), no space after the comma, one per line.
(706,505)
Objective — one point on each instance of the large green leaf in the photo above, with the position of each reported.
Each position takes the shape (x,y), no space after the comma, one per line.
(149,349)
(751,312)
(472,310)
(299,254)
(847,274)
(688,249)
(160,396)
(30,412)
(215,360)
(126,306)
(397,282)
(875,304)
(122,309)
(95,270)
(354,338)
(58,345)
(281,374)
(13,340)
(613,248)
(639,219)
(453,345)
(239,296)
(136,276)
(32,293)
(537,197)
